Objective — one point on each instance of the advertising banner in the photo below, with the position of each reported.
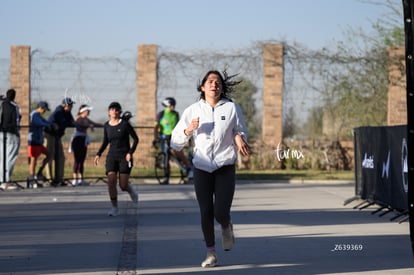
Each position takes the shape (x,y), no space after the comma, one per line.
(381,165)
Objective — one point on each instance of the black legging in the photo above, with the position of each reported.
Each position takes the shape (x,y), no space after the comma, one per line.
(214,193)
(79,150)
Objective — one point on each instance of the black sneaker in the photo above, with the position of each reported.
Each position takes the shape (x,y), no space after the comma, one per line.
(56,183)
(41,177)
(29,182)
(166,181)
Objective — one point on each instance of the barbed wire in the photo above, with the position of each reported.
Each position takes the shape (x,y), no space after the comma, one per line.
(4,75)
(94,81)
(100,80)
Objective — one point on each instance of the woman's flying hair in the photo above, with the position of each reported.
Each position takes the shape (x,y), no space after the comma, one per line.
(227,81)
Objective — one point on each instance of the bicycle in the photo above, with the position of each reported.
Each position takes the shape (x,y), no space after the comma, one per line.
(163,166)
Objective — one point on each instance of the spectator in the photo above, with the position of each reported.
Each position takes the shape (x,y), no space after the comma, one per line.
(35,144)
(63,118)
(80,141)
(9,137)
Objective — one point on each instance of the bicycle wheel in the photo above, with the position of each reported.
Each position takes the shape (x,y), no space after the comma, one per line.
(181,168)
(161,166)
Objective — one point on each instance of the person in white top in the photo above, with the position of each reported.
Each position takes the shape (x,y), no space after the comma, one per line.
(216,125)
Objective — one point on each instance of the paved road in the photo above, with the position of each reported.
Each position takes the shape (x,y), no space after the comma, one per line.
(280,228)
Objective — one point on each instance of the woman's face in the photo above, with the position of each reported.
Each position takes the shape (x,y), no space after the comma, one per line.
(213,87)
(84,114)
(114,113)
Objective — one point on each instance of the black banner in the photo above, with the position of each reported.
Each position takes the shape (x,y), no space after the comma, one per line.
(408,6)
(381,166)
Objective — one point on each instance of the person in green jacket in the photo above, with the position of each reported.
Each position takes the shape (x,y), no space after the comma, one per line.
(165,122)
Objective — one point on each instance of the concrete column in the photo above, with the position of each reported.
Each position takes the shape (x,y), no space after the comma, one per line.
(146,101)
(272,94)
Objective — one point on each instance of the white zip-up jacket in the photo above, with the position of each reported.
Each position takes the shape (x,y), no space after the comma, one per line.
(214,143)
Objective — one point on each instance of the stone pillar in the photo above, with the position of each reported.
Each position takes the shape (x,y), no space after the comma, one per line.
(272,94)
(146,102)
(20,79)
(397,92)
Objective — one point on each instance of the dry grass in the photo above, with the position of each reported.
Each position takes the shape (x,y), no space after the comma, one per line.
(21,172)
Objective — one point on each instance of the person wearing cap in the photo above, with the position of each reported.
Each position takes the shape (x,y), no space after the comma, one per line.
(165,122)
(35,142)
(62,117)
(119,162)
(80,141)
(9,129)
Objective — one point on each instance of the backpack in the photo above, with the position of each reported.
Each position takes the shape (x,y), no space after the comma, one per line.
(126,116)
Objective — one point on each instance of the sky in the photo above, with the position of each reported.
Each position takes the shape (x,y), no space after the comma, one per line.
(110,27)
(114,28)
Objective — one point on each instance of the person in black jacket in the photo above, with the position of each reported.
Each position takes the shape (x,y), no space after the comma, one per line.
(117,132)
(10,129)
(63,118)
